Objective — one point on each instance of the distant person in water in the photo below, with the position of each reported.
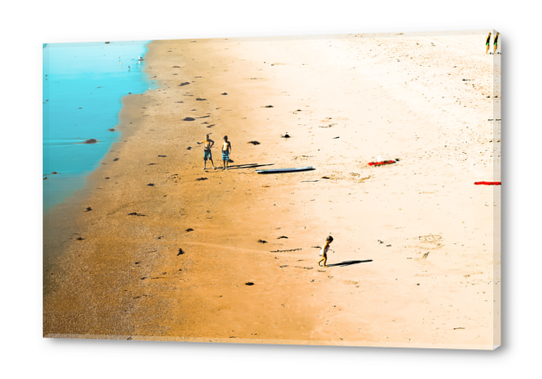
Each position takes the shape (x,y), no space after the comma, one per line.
(495,42)
(323,252)
(207,144)
(488,41)
(226,151)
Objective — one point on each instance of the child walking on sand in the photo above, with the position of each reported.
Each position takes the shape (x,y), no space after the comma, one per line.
(323,252)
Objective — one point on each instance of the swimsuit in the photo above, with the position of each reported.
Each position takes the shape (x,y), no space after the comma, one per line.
(487,40)
(495,42)
(207,150)
(225,152)
(324,250)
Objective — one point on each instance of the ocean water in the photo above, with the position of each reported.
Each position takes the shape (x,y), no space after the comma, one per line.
(83,84)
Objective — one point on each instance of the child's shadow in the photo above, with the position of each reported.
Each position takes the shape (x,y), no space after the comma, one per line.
(348,263)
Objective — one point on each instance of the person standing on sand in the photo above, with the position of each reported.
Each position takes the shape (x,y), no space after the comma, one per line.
(495,42)
(207,144)
(488,40)
(226,151)
(323,252)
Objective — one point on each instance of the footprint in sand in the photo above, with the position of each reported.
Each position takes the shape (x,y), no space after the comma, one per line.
(430,238)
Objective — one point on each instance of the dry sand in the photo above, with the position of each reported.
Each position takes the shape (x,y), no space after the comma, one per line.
(416,259)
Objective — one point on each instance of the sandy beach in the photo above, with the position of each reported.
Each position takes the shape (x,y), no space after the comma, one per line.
(156,248)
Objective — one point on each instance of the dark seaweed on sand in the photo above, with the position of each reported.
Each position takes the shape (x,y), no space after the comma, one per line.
(254,142)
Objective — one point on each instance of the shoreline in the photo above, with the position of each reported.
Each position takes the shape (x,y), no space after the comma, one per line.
(202,292)
(69,178)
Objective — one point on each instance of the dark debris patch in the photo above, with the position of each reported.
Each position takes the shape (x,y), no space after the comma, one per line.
(199,179)
(262,241)
(150,185)
(189,119)
(249,284)
(189,230)
(254,142)
(181,252)
(136,214)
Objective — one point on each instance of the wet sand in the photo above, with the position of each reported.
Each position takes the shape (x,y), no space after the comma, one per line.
(167,249)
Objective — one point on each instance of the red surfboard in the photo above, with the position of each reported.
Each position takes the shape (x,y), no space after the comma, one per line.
(488,183)
(380,163)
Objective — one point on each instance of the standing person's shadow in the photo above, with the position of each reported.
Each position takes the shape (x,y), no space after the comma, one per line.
(348,263)
(248,165)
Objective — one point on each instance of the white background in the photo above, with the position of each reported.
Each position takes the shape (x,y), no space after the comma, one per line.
(26,25)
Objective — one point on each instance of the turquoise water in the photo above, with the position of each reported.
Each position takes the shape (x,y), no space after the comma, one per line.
(83,84)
